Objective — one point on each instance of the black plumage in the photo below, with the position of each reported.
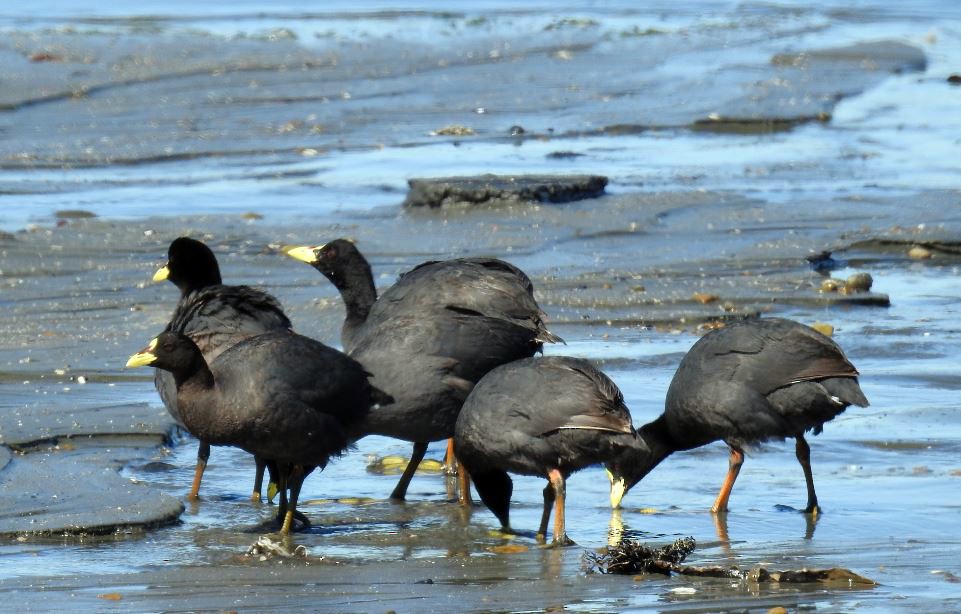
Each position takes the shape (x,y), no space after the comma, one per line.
(285,398)
(215,316)
(546,417)
(749,382)
(431,336)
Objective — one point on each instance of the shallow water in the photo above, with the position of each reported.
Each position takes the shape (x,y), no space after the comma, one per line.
(688,210)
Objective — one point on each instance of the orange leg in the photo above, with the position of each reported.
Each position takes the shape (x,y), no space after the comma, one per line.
(463,484)
(734,467)
(560,497)
(203,453)
(450,461)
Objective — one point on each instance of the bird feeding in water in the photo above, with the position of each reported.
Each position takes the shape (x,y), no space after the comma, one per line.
(285,398)
(749,382)
(545,417)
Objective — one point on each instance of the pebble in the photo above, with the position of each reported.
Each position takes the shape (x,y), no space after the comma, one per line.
(831,285)
(859,282)
(919,253)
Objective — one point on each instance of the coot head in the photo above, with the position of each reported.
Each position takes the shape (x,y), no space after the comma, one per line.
(171,352)
(338,260)
(191,265)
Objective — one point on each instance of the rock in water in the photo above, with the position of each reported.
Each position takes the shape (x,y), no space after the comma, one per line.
(502,189)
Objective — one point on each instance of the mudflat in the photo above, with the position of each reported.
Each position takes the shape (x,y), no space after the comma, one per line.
(758,161)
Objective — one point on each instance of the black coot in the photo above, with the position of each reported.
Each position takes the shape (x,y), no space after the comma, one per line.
(285,398)
(749,382)
(546,417)
(215,317)
(431,336)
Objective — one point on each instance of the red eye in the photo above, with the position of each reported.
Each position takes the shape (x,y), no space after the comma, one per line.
(330,253)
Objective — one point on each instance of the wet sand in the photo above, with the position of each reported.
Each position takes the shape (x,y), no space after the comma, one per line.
(95,473)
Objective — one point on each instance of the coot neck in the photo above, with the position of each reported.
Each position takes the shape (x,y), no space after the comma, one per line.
(196,377)
(646,451)
(198,278)
(356,285)
(658,439)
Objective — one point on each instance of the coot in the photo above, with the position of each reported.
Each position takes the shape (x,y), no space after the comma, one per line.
(751,381)
(546,417)
(283,397)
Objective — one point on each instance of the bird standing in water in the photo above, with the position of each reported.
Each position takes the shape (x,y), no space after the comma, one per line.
(285,398)
(215,316)
(431,336)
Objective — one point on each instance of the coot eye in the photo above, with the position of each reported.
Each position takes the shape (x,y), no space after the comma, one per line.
(330,253)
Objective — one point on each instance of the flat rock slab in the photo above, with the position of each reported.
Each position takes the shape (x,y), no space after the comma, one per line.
(29,424)
(58,492)
(502,189)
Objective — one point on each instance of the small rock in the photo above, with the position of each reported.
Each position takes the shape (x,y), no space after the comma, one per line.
(777,610)
(563,155)
(454,130)
(75,214)
(954,79)
(859,282)
(42,56)
(251,216)
(831,285)
(705,298)
(516,130)
(919,253)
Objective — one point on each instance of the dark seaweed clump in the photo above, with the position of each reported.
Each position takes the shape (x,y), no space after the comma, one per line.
(632,557)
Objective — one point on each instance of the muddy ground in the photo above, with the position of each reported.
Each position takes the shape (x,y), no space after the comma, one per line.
(738,144)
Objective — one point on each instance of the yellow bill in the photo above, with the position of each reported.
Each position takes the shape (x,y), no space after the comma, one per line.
(304,253)
(162,274)
(618,488)
(144,357)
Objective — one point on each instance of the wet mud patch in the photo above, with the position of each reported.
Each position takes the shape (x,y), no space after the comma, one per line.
(64,492)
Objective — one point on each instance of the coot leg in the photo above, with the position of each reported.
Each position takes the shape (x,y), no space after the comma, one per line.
(546,515)
(280,477)
(463,484)
(560,497)
(294,482)
(258,480)
(803,451)
(203,453)
(450,461)
(400,491)
(734,467)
